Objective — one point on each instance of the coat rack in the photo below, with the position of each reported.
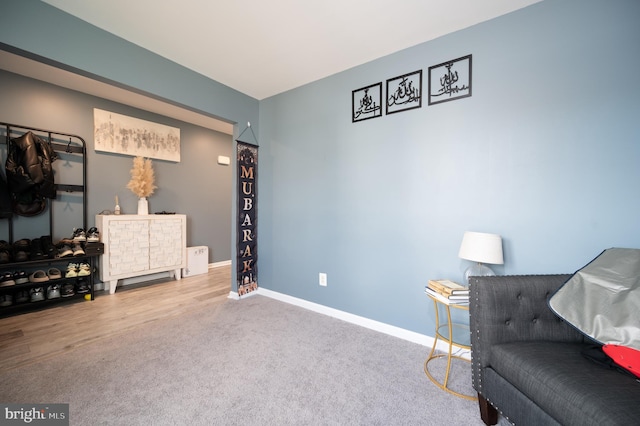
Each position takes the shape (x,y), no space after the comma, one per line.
(72,147)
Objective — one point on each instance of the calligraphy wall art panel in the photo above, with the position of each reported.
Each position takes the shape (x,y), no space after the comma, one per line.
(450,80)
(366,102)
(247,235)
(132,136)
(404,92)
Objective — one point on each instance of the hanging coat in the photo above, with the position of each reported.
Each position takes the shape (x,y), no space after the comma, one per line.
(30,173)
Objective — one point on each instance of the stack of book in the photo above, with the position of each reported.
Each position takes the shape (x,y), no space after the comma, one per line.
(448,291)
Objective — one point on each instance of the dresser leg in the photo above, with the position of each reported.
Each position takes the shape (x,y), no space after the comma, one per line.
(112,286)
(177,274)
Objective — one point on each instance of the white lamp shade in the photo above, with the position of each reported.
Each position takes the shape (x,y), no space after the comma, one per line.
(481,247)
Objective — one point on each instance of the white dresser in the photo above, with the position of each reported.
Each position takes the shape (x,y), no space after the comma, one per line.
(136,245)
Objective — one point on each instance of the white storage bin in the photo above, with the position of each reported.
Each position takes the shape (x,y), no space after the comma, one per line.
(197,261)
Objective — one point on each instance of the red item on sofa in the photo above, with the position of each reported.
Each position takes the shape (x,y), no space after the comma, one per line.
(626,357)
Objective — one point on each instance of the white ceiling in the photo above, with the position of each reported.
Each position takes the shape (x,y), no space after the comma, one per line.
(265,47)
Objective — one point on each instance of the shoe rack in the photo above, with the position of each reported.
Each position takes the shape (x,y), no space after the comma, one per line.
(49,279)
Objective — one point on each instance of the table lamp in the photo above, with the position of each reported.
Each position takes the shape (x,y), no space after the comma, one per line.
(480,248)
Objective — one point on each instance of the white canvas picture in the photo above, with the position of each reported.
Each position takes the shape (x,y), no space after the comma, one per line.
(132,136)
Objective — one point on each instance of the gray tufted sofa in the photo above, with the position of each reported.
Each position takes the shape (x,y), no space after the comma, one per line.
(527,363)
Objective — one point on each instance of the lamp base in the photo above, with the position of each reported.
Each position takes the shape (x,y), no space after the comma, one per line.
(477,270)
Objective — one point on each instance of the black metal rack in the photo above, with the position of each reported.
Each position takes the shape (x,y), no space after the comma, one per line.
(60,142)
(75,145)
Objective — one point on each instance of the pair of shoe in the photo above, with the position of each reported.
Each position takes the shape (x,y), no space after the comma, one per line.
(41,248)
(90,236)
(67,247)
(11,278)
(78,270)
(40,276)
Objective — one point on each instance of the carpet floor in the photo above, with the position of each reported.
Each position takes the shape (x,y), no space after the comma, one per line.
(256,361)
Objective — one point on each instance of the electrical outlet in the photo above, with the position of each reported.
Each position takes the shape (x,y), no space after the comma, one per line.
(322,279)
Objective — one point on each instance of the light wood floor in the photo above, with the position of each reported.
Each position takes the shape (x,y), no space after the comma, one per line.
(33,336)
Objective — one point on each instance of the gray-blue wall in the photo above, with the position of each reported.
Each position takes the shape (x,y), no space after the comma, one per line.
(545,153)
(56,37)
(39,31)
(196,186)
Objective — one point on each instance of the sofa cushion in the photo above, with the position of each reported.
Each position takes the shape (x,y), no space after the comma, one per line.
(563,383)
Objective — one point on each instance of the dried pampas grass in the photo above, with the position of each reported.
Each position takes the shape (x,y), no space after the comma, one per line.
(142,177)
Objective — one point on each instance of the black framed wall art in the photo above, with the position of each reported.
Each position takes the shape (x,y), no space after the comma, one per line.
(366,102)
(404,92)
(450,80)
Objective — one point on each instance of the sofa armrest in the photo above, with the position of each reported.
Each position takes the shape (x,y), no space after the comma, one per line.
(514,308)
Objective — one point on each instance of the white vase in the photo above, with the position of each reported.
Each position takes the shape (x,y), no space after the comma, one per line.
(143,206)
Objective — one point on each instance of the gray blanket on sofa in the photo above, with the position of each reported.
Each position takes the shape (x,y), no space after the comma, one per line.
(602,300)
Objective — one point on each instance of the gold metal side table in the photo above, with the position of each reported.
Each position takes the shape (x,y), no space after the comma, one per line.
(454,335)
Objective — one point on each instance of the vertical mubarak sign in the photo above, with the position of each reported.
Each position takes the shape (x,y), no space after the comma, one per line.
(247,244)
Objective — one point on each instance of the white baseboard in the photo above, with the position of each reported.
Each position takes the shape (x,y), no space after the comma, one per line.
(234,295)
(219,264)
(381,327)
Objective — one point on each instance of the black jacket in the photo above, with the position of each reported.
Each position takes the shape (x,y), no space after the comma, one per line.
(28,165)
(29,170)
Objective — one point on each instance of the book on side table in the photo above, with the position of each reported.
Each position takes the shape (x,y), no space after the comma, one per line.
(448,291)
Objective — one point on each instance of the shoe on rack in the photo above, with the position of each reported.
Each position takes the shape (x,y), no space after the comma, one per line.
(78,250)
(7,279)
(54,274)
(67,290)
(6,300)
(47,246)
(37,294)
(72,270)
(21,250)
(64,249)
(84,269)
(6,255)
(93,235)
(79,235)
(21,277)
(82,286)
(22,296)
(53,291)
(38,276)
(35,250)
